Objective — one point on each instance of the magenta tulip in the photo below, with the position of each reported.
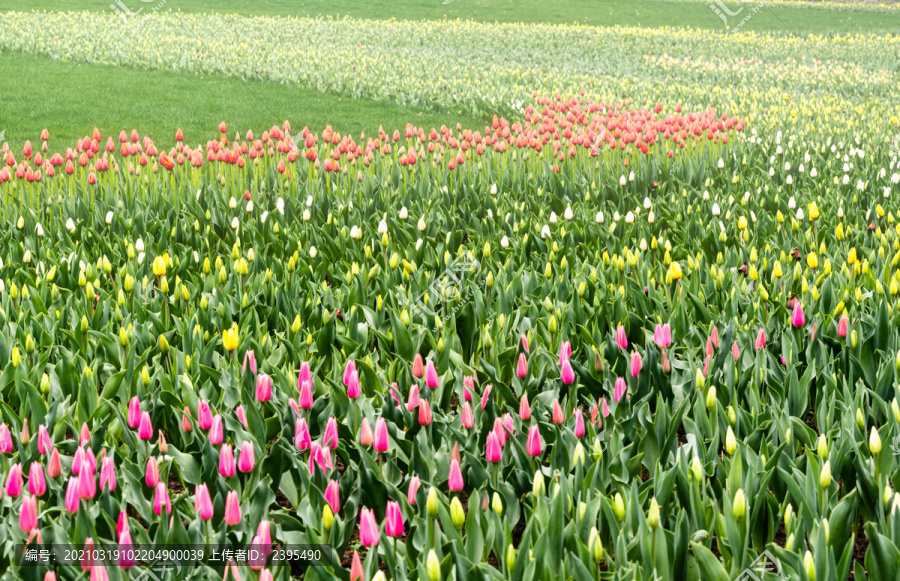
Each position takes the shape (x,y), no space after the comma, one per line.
(162,500)
(263,387)
(232,509)
(533,445)
(333,496)
(493,452)
(28,517)
(368,528)
(621,338)
(393,520)
(108,474)
(202,502)
(381,436)
(247,458)
(227,466)
(798,319)
(455,479)
(145,429)
(620,389)
(414,484)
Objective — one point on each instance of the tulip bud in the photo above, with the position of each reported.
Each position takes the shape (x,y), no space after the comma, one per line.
(653,514)
(619,506)
(457,514)
(432,505)
(788,513)
(874,442)
(822,447)
(711,398)
(433,566)
(730,442)
(810,566)
(739,505)
(45,384)
(327,518)
(595,546)
(538,487)
(697,469)
(510,557)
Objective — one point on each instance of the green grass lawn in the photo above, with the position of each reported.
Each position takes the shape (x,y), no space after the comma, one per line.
(70,99)
(593,12)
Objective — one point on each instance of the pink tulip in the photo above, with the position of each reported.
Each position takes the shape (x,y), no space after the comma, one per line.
(6,443)
(186,424)
(621,338)
(558,416)
(595,411)
(216,431)
(524,341)
(842,326)
(709,346)
(28,517)
(714,337)
(533,446)
(353,387)
(232,509)
(247,458)
(567,375)
(493,452)
(760,339)
(202,502)
(72,498)
(249,357)
(126,554)
(579,423)
(368,528)
(99,573)
(524,408)
(522,367)
(349,369)
(263,387)
(151,473)
(414,484)
(424,413)
(45,444)
(393,520)
(418,369)
(499,431)
(134,412)
(162,500)
(54,467)
(468,420)
(706,365)
(227,466)
(37,484)
(620,389)
(333,496)
(605,408)
(302,439)
(485,395)
(330,437)
(14,482)
(89,461)
(468,387)
(455,480)
(381,436)
(122,523)
(565,352)
(85,434)
(356,568)
(431,375)
(508,424)
(317,458)
(413,401)
(87,560)
(204,415)
(366,437)
(108,474)
(145,429)
(395,392)
(264,536)
(241,416)
(735,352)
(798,319)
(662,336)
(305,375)
(305,399)
(636,364)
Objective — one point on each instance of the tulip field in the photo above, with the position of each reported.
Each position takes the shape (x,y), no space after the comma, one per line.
(632,320)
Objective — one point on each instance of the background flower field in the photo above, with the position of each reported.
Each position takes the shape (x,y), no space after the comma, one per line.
(626,314)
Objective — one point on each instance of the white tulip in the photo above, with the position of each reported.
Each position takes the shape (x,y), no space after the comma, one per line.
(264,216)
(232,203)
(109,217)
(382,227)
(404,213)
(139,245)
(309,201)
(568,215)
(715,209)
(306,215)
(599,218)
(504,242)
(196,256)
(553,217)
(235,223)
(545,231)
(813,173)
(421,225)
(39,230)
(354,233)
(721,163)
(646,203)
(493,189)
(629,218)
(279,205)
(622,181)
(313,251)
(250,206)
(70,225)
(141,258)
